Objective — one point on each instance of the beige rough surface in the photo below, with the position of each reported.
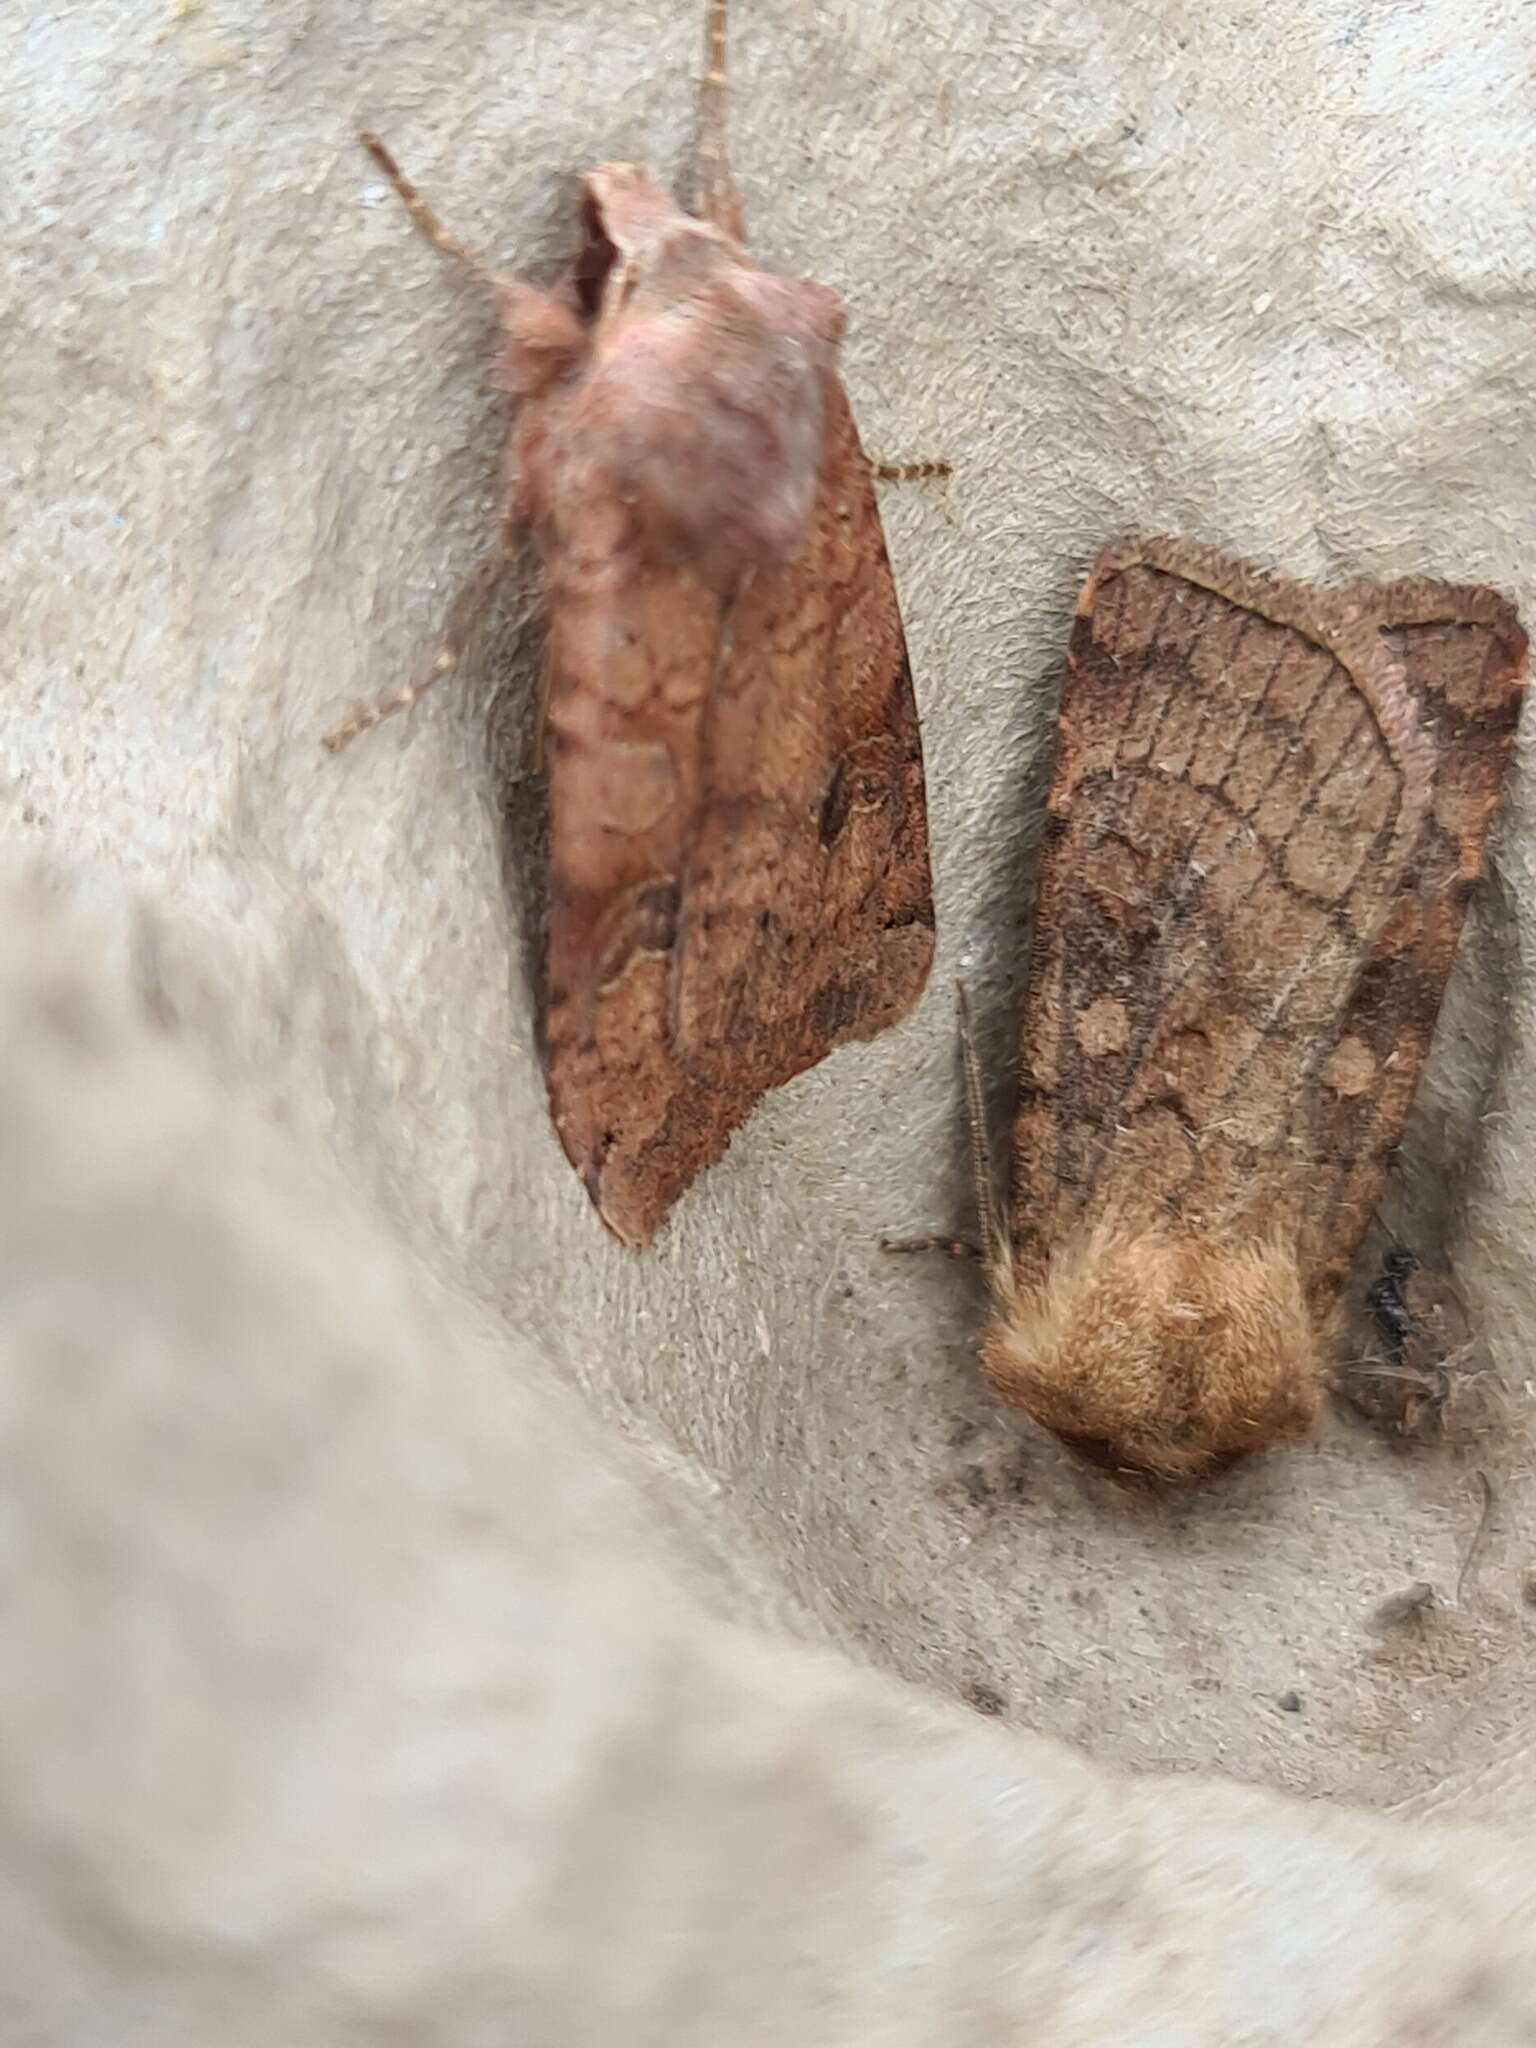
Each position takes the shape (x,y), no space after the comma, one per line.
(350,1695)
(1262,272)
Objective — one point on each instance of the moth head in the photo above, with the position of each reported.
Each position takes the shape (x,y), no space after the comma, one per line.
(635,241)
(1164,1355)
(701,404)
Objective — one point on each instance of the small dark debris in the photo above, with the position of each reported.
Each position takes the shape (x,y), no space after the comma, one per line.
(1395,1320)
(986,1699)
(1289,1703)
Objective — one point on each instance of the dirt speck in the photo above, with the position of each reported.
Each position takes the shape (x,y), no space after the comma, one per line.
(985,1699)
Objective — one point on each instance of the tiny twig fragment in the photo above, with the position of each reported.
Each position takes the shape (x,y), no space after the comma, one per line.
(1479,1534)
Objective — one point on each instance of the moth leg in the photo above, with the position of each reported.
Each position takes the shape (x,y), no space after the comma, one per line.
(427,221)
(952,1247)
(915,473)
(467,607)
(909,472)
(718,199)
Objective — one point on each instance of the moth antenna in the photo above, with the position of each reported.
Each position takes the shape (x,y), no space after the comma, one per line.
(996,1252)
(427,221)
(719,200)
(467,607)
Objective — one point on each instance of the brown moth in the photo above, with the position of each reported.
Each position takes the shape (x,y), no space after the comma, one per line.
(1268,810)
(738,867)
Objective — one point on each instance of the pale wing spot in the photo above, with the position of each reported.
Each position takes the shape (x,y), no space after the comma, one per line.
(1104,1027)
(1351,1068)
(632,786)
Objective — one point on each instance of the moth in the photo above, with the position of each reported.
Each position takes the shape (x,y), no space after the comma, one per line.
(738,873)
(1269,807)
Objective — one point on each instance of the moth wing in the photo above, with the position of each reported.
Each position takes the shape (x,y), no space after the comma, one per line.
(738,869)
(633,654)
(806,913)
(1463,655)
(1242,928)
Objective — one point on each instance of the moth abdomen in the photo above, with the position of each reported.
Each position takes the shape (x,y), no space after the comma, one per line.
(1167,1352)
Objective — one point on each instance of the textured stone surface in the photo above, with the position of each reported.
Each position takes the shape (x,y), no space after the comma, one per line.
(353,1694)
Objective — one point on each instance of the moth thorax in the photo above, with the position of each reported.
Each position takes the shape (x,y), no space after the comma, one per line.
(702,407)
(1167,1353)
